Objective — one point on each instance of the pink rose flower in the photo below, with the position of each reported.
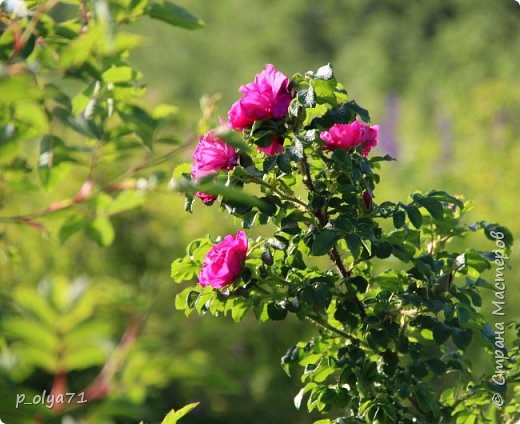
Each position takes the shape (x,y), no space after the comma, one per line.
(211,155)
(349,136)
(266,97)
(275,148)
(224,262)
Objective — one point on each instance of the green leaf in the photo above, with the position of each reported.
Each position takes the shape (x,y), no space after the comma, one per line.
(363,113)
(174,416)
(183,168)
(239,309)
(72,225)
(51,166)
(181,301)
(445,197)
(36,305)
(399,218)
(119,74)
(499,231)
(461,338)
(101,230)
(433,206)
(183,269)
(343,114)
(284,163)
(307,97)
(325,91)
(267,257)
(276,312)
(463,314)
(173,15)
(124,201)
(295,152)
(324,241)
(474,259)
(193,296)
(354,244)
(84,357)
(269,163)
(32,332)
(414,215)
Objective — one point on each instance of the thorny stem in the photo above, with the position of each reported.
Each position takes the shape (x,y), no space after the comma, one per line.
(323,219)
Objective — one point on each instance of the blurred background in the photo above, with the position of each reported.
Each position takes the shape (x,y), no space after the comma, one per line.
(441,79)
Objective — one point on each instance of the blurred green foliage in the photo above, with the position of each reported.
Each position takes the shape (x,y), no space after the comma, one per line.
(441,77)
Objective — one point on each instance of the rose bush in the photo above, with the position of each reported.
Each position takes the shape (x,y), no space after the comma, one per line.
(395,298)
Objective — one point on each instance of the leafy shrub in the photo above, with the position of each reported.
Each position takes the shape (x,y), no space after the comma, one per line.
(396,302)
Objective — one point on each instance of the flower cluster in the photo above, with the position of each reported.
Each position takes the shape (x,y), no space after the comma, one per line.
(267,98)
